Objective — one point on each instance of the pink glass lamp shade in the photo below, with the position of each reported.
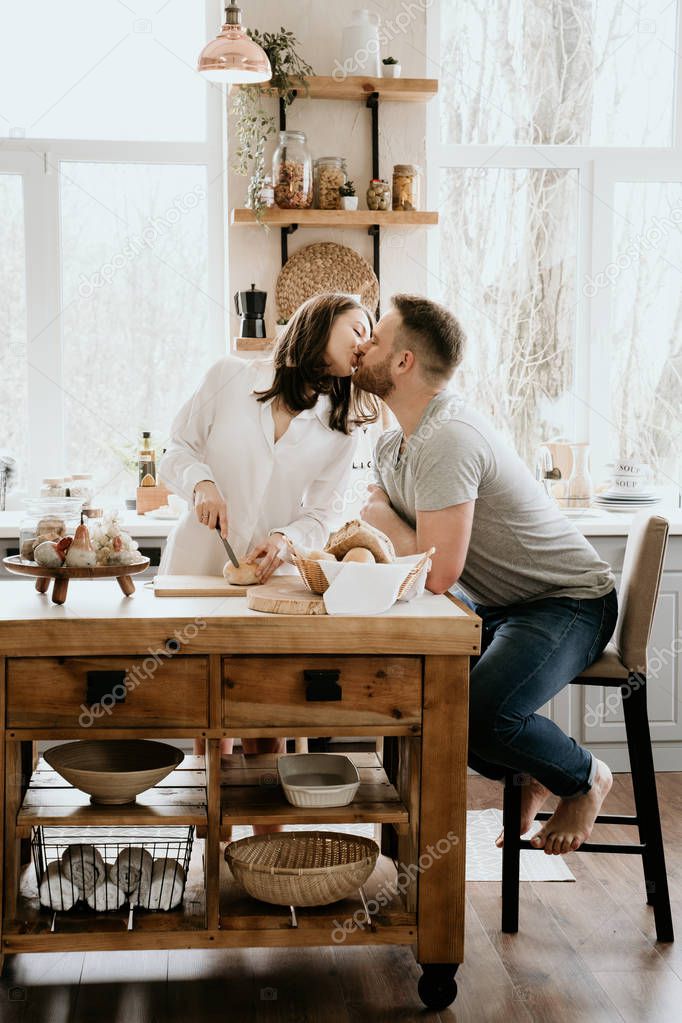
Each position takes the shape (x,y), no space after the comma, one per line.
(232,57)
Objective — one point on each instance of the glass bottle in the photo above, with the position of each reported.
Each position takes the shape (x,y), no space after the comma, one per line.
(379,195)
(146,463)
(292,172)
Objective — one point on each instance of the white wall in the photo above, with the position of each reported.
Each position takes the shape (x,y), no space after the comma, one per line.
(340,129)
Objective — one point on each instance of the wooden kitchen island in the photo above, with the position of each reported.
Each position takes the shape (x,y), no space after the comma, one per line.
(209,667)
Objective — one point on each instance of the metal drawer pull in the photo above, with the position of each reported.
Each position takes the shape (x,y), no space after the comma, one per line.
(105,683)
(322,684)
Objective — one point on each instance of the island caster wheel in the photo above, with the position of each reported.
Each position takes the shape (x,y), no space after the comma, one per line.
(437,986)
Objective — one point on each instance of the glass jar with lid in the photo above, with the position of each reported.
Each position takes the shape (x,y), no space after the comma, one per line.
(406,186)
(53,486)
(330,174)
(292,172)
(47,518)
(379,195)
(81,487)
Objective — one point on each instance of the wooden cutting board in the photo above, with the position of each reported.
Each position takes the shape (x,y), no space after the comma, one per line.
(196,586)
(285,597)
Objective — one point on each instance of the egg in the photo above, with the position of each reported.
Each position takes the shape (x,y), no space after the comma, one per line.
(320,556)
(245,575)
(360,555)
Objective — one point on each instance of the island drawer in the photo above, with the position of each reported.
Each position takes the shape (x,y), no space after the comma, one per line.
(107,692)
(325,691)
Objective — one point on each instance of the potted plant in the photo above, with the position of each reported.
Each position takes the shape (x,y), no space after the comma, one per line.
(280,326)
(349,199)
(391,68)
(254,124)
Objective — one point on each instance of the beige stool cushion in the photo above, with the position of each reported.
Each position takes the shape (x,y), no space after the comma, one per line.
(609,665)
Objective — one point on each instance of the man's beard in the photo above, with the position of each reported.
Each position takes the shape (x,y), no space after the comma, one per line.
(376,380)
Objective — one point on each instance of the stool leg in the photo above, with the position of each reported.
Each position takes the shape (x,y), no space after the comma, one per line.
(511,822)
(646,804)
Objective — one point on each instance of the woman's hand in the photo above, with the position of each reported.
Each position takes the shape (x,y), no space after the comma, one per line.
(210,507)
(270,555)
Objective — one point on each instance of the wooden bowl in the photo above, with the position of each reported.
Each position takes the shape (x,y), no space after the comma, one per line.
(114,772)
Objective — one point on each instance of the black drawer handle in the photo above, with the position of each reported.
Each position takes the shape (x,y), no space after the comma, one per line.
(322,685)
(109,684)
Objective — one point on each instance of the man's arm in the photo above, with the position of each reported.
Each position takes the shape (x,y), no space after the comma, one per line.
(449,531)
(378,512)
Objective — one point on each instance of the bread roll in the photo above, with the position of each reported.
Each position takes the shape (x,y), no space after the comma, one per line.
(320,556)
(245,575)
(361,555)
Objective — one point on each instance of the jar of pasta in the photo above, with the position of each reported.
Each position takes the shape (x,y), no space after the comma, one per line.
(292,172)
(330,174)
(406,186)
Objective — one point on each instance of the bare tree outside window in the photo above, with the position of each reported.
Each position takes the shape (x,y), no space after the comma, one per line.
(541,74)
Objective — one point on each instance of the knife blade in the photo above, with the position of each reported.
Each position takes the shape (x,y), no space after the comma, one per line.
(230,553)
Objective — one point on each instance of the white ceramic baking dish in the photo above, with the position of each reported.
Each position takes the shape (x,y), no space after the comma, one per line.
(318,779)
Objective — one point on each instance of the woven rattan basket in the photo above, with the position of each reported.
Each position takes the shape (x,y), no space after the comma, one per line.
(302,868)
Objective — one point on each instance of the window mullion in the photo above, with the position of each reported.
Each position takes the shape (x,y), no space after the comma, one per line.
(44,349)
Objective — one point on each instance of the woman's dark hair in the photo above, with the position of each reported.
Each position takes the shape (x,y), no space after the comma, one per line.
(301,372)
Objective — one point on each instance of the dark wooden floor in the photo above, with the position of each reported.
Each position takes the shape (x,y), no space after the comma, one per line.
(585,952)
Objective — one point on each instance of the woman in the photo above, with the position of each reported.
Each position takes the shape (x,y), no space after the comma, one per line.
(263,449)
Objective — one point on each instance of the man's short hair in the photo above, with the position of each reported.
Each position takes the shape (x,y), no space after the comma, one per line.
(432,332)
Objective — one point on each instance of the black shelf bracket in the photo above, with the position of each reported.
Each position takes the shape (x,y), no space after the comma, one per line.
(284,236)
(373,230)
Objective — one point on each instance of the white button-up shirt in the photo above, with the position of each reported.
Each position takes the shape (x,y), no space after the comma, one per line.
(296,486)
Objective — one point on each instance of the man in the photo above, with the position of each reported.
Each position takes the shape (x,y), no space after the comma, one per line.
(445,479)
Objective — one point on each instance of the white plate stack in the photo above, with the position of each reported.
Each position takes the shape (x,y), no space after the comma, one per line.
(630,489)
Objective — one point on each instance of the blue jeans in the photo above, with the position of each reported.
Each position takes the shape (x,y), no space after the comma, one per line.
(529,652)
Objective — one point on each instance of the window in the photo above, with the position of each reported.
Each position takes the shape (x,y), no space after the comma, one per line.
(112,231)
(556,154)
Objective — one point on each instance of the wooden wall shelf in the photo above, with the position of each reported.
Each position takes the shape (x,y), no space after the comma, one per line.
(338,218)
(399,90)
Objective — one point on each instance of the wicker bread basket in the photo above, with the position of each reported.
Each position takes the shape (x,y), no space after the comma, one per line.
(302,868)
(313,576)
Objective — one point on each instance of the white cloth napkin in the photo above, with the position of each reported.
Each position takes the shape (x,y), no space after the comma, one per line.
(369,589)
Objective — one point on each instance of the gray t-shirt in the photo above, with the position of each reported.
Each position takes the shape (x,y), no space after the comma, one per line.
(522,547)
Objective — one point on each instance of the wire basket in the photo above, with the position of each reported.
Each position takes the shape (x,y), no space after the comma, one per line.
(106,868)
(302,868)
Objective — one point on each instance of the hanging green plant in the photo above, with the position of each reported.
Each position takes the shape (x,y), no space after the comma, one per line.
(254,124)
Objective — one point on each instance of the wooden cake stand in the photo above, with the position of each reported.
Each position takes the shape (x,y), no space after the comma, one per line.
(62,576)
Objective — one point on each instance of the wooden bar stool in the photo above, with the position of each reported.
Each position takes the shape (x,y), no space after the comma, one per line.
(623,664)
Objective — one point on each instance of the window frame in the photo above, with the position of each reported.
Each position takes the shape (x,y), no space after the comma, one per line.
(40,163)
(599,168)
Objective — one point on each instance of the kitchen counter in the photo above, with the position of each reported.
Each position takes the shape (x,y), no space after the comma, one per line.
(109,667)
(591,522)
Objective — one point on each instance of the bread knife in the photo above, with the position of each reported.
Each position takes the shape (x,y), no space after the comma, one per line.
(230,553)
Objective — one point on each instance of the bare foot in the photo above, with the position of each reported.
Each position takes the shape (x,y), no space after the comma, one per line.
(571,823)
(533,797)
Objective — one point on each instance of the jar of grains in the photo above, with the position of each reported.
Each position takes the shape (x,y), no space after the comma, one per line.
(330,174)
(406,186)
(379,195)
(292,172)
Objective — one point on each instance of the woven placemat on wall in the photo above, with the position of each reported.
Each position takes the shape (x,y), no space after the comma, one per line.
(324,266)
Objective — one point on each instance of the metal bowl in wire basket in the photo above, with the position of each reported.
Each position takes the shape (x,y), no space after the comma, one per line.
(302,868)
